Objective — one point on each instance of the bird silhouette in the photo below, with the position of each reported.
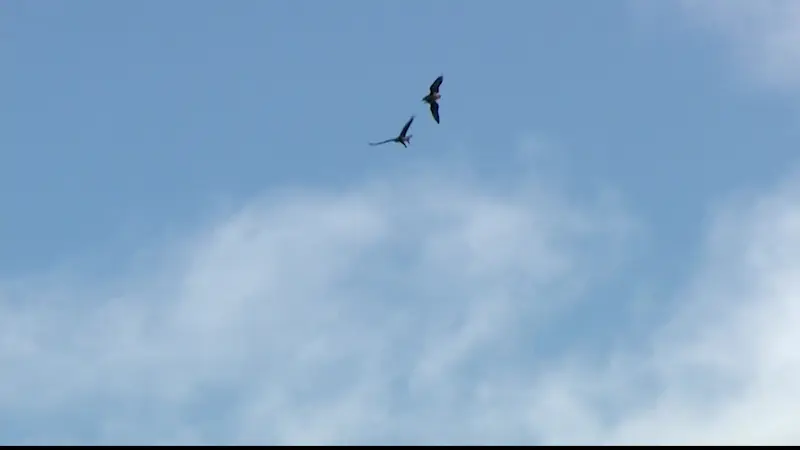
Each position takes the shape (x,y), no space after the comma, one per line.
(402,138)
(433,96)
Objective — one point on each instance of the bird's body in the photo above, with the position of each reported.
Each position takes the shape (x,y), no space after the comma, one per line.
(433,97)
(402,138)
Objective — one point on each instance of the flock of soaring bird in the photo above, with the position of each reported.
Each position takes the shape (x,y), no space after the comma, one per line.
(432,100)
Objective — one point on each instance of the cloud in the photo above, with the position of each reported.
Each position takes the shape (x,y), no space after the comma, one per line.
(725,367)
(419,307)
(765,35)
(373,313)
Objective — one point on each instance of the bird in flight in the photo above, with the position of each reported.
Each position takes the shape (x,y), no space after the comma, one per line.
(402,138)
(433,96)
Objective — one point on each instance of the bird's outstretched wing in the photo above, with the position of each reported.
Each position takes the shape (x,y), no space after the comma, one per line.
(436,83)
(435,111)
(406,127)
(382,142)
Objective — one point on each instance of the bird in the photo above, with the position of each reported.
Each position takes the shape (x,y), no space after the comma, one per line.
(402,138)
(433,96)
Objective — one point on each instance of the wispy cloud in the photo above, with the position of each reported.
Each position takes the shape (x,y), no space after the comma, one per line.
(765,35)
(370,314)
(408,309)
(724,369)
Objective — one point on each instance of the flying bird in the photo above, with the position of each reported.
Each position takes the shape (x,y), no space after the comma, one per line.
(433,96)
(402,138)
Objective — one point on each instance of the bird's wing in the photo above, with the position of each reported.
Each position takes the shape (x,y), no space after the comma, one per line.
(406,127)
(382,142)
(435,111)
(438,82)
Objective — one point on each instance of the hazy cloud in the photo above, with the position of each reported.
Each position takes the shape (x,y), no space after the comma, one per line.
(765,35)
(309,316)
(411,309)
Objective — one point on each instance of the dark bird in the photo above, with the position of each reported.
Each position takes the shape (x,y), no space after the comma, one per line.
(433,96)
(402,138)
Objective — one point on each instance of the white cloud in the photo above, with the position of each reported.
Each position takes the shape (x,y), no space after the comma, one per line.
(726,367)
(409,309)
(369,314)
(765,34)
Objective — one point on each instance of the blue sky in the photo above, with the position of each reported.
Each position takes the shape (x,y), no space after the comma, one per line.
(187,189)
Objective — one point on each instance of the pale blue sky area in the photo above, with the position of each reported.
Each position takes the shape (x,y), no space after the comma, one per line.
(121,121)
(122,117)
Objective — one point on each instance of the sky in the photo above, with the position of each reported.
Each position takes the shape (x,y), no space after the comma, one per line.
(599,244)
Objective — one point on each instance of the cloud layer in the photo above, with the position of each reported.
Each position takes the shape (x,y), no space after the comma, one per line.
(765,35)
(368,314)
(410,309)
(725,368)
